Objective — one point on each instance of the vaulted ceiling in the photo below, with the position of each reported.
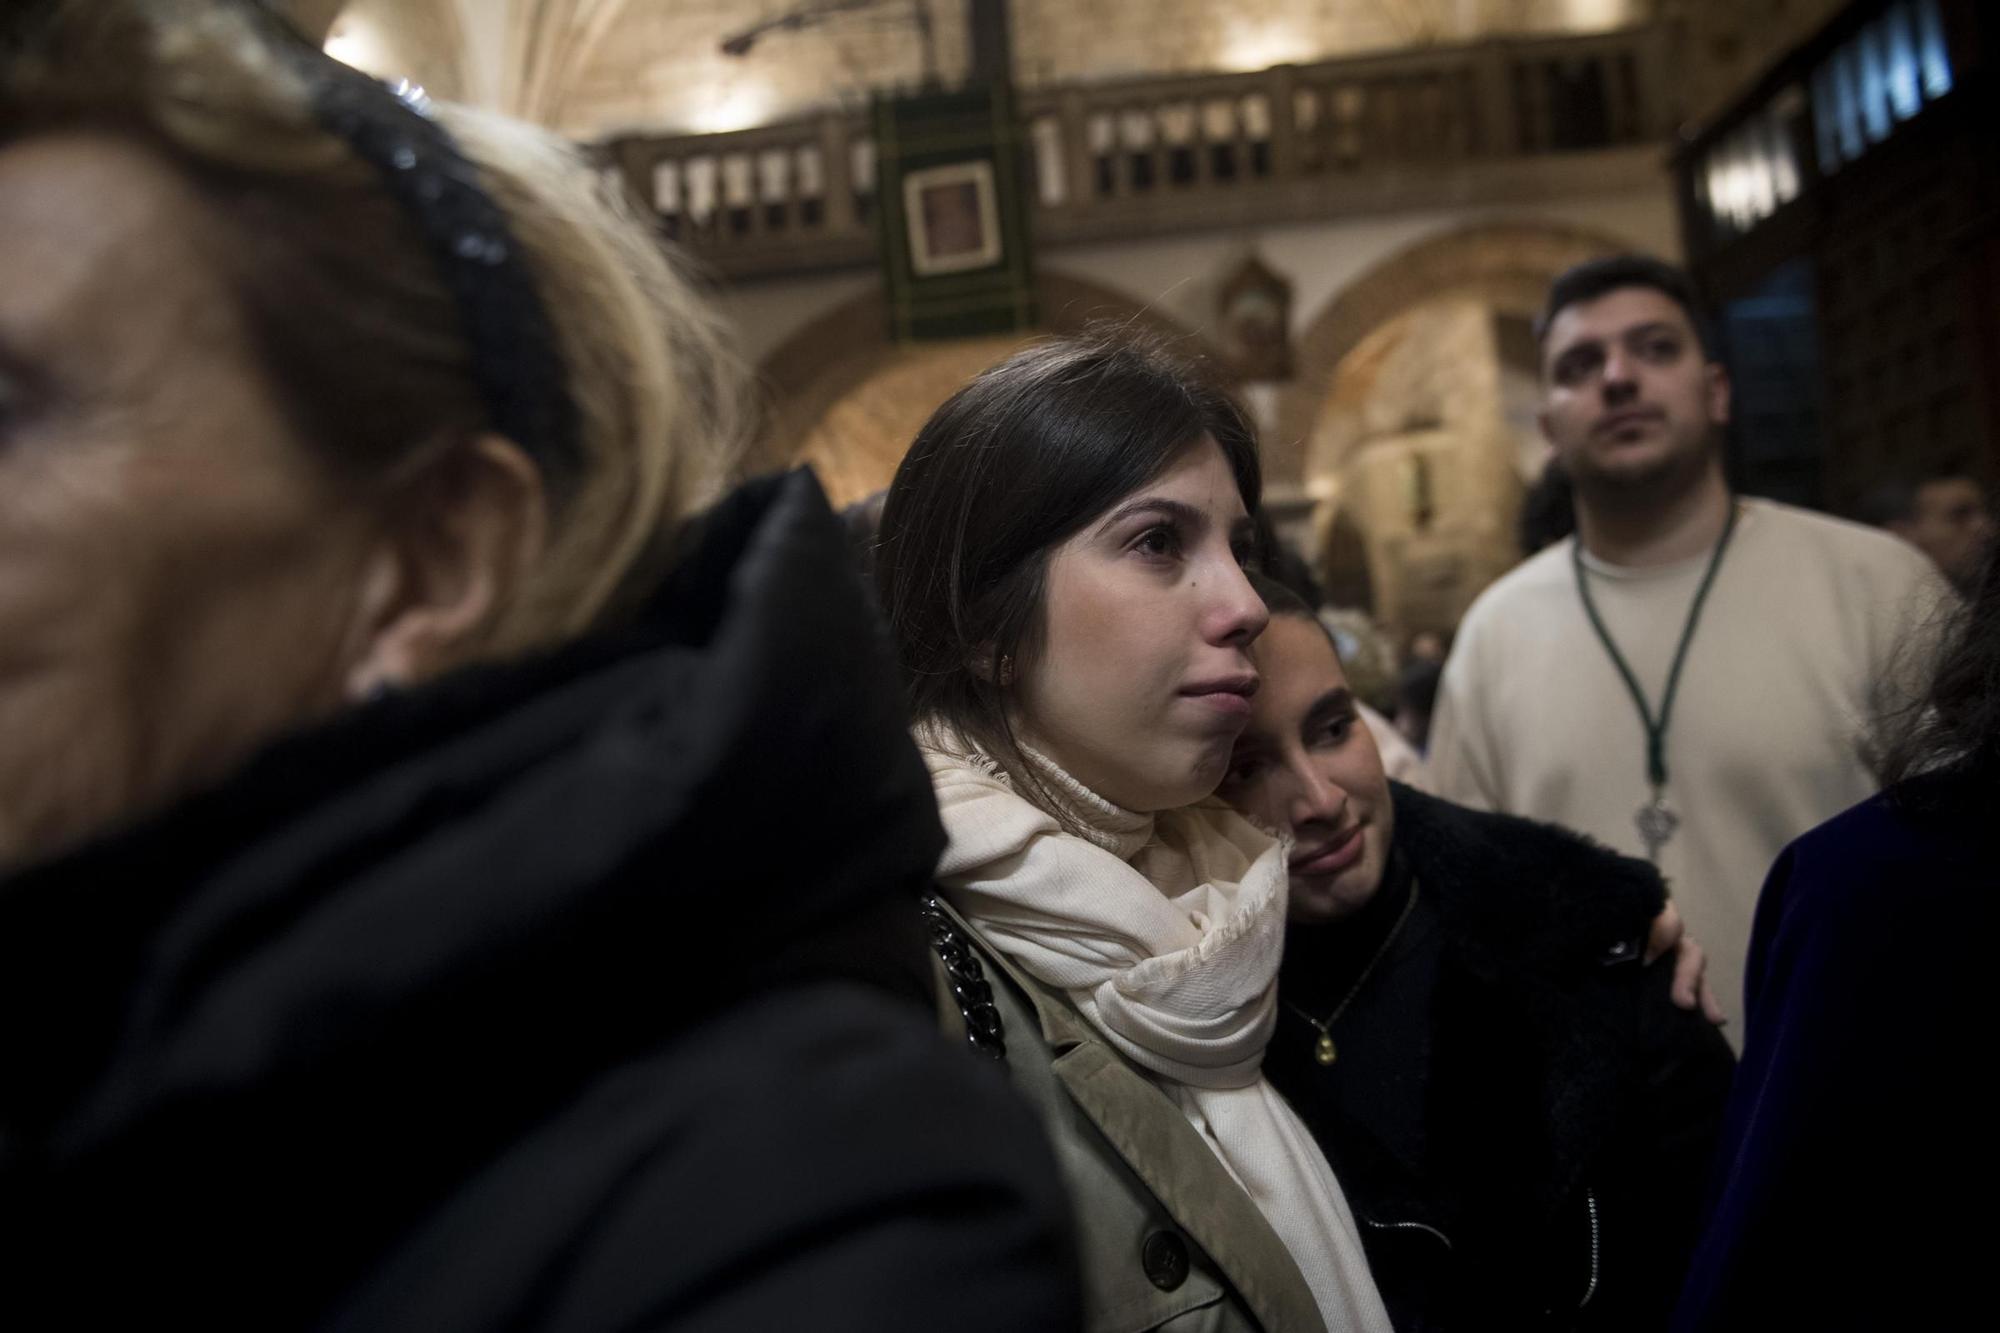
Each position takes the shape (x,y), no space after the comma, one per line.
(592,67)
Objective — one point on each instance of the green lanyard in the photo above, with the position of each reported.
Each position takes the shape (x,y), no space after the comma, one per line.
(1656,728)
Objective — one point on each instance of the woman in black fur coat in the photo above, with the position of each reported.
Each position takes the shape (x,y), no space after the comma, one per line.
(1519,1112)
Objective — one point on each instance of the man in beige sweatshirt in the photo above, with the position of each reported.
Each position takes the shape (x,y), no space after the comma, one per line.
(1695,677)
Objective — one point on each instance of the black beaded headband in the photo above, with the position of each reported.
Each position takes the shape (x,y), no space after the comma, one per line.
(515,359)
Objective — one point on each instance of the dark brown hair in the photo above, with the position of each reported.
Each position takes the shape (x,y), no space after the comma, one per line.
(1600,277)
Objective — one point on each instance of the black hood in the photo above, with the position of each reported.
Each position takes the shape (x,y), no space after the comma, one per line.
(386,945)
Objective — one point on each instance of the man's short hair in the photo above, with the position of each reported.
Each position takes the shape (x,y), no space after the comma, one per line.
(1891,501)
(1894,498)
(1600,277)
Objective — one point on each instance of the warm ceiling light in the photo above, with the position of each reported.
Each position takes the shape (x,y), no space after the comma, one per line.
(744,106)
(1248,46)
(352,44)
(1598,15)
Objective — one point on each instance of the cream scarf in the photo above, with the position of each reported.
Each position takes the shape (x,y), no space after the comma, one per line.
(1165,931)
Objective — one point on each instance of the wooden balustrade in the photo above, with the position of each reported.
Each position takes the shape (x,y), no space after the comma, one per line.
(1146,156)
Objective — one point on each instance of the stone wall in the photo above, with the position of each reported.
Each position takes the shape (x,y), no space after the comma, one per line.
(856,446)
(1398,448)
(1179,277)
(1069,41)
(1418,460)
(1416,451)
(840,395)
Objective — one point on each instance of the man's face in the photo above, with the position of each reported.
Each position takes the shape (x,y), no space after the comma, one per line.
(1630,402)
(1951,525)
(1305,763)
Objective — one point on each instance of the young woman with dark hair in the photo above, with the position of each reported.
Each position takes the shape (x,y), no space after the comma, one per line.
(1860,1131)
(1520,1113)
(1061,563)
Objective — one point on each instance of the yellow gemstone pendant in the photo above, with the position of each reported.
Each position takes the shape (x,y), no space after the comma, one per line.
(1323,1049)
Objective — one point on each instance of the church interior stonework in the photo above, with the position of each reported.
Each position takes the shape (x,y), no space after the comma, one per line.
(1412,173)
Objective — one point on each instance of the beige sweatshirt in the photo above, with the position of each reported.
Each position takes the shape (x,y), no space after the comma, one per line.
(1812,628)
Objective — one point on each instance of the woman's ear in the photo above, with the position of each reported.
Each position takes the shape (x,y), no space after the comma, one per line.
(462,533)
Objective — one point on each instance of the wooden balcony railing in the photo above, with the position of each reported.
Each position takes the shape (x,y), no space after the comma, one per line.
(1156,155)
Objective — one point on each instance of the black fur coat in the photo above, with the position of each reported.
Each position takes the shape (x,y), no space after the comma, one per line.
(571,994)
(1523,1128)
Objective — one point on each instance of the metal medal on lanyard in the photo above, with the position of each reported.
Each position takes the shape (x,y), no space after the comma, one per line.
(1655,820)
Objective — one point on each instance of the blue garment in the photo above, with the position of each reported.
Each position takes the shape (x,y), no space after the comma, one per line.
(1857,1162)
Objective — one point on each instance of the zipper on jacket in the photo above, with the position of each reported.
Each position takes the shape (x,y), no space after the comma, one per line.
(1590,1202)
(1409,1226)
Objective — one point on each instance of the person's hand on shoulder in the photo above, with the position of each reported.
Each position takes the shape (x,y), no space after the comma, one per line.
(1690,989)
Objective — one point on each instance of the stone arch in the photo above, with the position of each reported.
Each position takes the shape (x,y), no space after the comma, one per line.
(1508,264)
(1342,564)
(1402,418)
(838,355)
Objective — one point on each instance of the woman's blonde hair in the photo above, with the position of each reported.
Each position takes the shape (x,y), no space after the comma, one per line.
(348,311)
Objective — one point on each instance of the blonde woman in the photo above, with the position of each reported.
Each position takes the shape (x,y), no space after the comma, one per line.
(423,900)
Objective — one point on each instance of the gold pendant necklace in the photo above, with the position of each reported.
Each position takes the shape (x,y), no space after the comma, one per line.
(1323,1049)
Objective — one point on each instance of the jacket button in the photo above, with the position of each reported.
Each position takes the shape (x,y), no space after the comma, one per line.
(1165,1258)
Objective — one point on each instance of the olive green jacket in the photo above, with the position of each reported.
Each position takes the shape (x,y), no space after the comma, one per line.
(1168,1240)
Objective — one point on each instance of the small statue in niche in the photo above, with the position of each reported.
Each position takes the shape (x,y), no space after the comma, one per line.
(1255,319)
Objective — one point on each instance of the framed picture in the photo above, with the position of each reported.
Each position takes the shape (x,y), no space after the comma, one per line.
(957,253)
(1254,316)
(954,218)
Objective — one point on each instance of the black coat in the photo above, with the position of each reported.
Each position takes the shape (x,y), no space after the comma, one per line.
(1860,1151)
(582,993)
(1520,1116)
